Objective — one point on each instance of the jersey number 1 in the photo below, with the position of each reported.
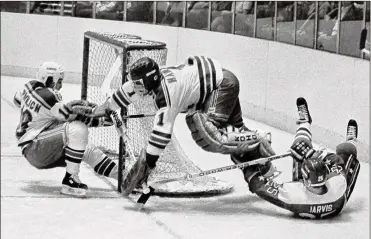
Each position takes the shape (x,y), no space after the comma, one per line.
(160,119)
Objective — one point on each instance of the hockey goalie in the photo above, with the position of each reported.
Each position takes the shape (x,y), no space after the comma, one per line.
(202,89)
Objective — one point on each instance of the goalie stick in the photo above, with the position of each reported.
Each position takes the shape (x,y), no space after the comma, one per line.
(362,42)
(101,114)
(115,115)
(148,192)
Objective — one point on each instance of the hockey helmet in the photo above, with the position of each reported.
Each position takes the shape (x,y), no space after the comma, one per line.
(144,75)
(49,72)
(315,172)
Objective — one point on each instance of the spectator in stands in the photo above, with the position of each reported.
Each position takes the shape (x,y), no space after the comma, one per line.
(112,10)
(140,11)
(323,9)
(349,11)
(223,20)
(84,9)
(244,21)
(173,13)
(45,7)
(285,11)
(244,7)
(197,15)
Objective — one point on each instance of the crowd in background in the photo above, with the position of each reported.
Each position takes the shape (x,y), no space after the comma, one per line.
(332,26)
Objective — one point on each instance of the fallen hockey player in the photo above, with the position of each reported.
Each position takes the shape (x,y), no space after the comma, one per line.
(323,181)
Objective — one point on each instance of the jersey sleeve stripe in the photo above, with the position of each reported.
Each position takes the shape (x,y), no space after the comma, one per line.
(202,82)
(207,76)
(155,132)
(65,115)
(17,102)
(124,95)
(166,93)
(37,97)
(213,72)
(352,181)
(120,99)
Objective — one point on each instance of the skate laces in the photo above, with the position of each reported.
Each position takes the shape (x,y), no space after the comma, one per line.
(352,132)
(303,112)
(76,178)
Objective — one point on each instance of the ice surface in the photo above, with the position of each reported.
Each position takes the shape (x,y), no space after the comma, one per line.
(31,206)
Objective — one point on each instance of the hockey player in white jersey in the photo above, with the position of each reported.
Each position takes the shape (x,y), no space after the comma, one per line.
(55,134)
(206,92)
(323,181)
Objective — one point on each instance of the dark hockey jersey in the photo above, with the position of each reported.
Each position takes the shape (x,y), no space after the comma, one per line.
(295,197)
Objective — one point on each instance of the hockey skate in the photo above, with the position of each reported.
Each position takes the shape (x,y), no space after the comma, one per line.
(71,185)
(136,176)
(352,130)
(303,110)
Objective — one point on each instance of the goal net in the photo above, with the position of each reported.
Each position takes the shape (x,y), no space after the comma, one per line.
(100,53)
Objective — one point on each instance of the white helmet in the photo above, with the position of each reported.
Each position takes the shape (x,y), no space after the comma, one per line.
(50,69)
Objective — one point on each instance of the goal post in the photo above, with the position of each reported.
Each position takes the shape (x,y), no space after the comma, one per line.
(99,55)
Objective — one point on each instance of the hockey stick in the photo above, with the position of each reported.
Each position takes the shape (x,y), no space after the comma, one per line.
(115,116)
(150,190)
(362,42)
(101,114)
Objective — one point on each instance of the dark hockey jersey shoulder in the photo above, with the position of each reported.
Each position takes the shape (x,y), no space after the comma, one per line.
(40,93)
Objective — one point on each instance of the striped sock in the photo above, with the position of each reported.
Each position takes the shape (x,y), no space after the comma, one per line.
(105,167)
(73,159)
(303,131)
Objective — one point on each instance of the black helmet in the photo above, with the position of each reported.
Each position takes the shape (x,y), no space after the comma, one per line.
(145,75)
(314,172)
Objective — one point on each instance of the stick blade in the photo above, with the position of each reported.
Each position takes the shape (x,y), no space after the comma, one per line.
(145,196)
(362,42)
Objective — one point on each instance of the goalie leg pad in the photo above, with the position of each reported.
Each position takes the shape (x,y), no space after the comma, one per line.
(212,139)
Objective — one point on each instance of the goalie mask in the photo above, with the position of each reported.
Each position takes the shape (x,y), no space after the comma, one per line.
(314,172)
(50,73)
(144,75)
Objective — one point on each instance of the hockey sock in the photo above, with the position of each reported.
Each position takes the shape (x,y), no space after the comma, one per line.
(73,159)
(106,167)
(303,131)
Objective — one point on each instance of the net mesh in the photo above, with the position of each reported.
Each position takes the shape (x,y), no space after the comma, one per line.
(173,162)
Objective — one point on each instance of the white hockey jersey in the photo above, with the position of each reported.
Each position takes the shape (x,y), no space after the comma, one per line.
(39,110)
(184,88)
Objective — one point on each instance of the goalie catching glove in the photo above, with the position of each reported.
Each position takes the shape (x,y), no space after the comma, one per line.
(226,140)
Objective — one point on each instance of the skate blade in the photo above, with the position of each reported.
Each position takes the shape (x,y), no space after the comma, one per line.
(76,192)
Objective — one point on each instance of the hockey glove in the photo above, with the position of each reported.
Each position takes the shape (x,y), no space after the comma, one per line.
(301,149)
(77,109)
